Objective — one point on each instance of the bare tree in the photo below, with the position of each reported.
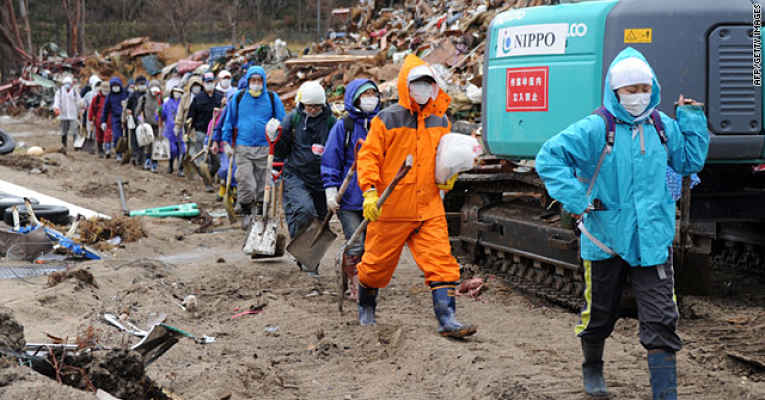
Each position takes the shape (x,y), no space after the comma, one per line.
(179,14)
(232,17)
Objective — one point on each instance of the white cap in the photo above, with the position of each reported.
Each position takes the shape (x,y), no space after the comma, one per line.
(67,79)
(418,72)
(630,71)
(224,74)
(94,80)
(312,92)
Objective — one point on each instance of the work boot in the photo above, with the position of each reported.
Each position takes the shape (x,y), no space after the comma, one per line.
(170,166)
(350,271)
(154,166)
(592,369)
(209,188)
(147,164)
(445,307)
(108,150)
(180,172)
(100,148)
(367,305)
(258,208)
(221,192)
(243,209)
(663,368)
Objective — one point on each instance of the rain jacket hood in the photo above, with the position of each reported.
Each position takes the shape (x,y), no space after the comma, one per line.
(259,71)
(435,107)
(350,93)
(611,100)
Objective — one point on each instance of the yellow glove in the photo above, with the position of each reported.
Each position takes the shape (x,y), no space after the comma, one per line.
(371,212)
(449,185)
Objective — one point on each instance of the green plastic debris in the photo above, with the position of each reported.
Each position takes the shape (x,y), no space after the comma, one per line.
(178,210)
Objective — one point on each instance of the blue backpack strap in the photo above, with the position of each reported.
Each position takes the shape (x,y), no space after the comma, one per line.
(659,125)
(610,122)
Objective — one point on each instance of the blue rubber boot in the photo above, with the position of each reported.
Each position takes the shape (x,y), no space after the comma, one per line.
(663,368)
(445,307)
(592,369)
(367,305)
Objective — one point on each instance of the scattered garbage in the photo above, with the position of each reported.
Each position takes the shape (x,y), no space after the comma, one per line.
(272,330)
(254,309)
(471,287)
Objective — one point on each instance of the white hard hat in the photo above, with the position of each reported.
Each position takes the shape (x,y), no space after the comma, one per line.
(312,92)
(224,74)
(67,79)
(630,71)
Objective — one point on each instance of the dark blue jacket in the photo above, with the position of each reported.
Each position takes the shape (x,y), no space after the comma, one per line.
(113,107)
(338,158)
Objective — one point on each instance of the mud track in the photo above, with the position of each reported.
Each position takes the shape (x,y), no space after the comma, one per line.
(299,346)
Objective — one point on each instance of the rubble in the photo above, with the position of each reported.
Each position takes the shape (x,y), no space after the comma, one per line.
(363,41)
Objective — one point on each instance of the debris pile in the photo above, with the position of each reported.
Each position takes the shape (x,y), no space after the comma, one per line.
(364,41)
(103,233)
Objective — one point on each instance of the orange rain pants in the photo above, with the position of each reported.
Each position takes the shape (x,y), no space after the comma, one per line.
(427,240)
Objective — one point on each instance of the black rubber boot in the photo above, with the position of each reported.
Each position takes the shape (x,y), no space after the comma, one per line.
(63,144)
(445,307)
(367,305)
(592,369)
(170,166)
(663,368)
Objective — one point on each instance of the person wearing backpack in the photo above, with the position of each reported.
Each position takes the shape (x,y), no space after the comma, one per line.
(244,136)
(362,102)
(304,134)
(609,170)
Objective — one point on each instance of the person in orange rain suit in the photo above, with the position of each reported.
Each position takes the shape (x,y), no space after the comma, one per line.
(414,212)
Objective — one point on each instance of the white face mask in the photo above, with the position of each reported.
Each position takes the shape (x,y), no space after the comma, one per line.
(196,89)
(421,91)
(116,89)
(209,86)
(225,84)
(635,104)
(177,96)
(154,90)
(256,89)
(141,88)
(67,86)
(368,103)
(104,91)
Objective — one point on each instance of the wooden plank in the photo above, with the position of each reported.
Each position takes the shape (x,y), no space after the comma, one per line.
(329,59)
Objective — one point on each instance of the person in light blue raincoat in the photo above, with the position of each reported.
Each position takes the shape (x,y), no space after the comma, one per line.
(630,232)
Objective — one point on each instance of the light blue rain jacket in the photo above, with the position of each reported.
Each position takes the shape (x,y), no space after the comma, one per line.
(639,221)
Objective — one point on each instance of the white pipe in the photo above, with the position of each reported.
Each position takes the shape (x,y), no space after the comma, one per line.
(20,191)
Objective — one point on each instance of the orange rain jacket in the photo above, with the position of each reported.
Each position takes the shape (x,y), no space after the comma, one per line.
(396,132)
(414,212)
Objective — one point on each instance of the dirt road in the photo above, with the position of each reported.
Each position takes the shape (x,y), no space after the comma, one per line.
(300,347)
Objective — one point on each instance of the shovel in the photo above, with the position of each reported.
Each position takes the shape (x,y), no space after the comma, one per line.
(310,245)
(342,280)
(79,141)
(228,200)
(262,238)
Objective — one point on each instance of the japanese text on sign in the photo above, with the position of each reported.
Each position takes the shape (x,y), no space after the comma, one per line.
(527,89)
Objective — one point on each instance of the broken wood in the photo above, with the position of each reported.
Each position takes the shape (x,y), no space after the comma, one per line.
(331,59)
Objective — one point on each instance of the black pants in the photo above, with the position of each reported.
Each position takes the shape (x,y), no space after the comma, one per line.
(657,309)
(301,204)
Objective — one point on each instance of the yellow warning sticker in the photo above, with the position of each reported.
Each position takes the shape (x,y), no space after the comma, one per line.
(638,35)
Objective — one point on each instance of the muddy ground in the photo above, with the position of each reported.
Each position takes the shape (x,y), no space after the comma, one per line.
(300,346)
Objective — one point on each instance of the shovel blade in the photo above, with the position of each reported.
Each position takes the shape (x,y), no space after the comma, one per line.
(79,142)
(261,240)
(310,254)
